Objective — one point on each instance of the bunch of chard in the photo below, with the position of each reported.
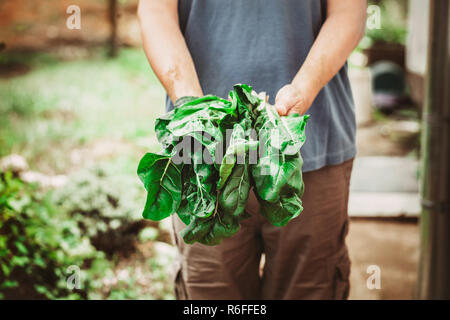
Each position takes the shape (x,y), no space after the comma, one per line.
(213,152)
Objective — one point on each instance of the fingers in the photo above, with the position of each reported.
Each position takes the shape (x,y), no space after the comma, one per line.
(293,110)
(290,100)
(282,101)
(281,109)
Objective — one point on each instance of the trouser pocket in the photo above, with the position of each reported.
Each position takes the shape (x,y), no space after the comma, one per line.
(178,279)
(342,279)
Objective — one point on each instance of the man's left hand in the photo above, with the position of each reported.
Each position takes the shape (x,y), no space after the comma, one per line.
(290,99)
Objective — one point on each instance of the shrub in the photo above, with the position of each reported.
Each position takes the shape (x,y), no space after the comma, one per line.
(106,208)
(38,244)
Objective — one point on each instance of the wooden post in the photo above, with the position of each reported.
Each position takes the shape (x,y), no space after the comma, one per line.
(112,14)
(434,266)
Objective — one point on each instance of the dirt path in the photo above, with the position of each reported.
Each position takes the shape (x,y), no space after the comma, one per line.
(394,248)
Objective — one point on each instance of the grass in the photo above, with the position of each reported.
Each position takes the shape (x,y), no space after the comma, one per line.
(61,105)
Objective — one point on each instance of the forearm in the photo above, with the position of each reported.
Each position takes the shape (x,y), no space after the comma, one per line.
(166,48)
(338,37)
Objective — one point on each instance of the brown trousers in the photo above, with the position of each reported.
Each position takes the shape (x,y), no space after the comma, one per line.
(307,259)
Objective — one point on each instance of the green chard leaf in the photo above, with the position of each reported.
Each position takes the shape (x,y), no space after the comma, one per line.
(164,136)
(234,182)
(162,180)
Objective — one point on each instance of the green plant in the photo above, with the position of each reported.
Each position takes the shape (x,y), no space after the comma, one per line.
(105,206)
(38,244)
(388,34)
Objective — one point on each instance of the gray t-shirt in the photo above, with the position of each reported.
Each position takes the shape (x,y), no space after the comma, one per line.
(263,43)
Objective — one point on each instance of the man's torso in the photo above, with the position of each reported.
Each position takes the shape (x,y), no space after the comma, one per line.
(263,43)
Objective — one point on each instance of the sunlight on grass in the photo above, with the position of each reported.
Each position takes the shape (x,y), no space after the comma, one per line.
(59,105)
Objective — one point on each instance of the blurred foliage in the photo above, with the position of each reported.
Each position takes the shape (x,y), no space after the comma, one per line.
(38,244)
(42,235)
(106,206)
(393,24)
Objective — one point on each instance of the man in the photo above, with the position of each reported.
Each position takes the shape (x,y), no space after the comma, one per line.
(296,51)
